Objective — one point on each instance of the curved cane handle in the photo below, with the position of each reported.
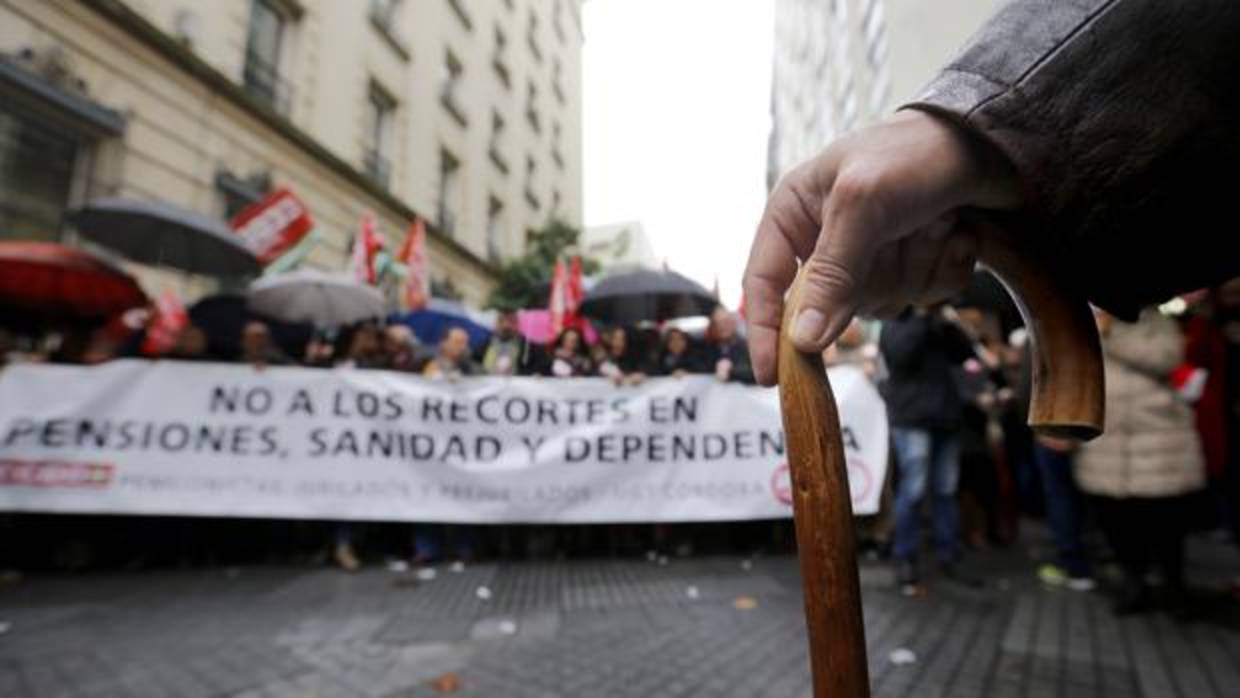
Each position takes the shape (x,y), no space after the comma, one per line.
(1067,400)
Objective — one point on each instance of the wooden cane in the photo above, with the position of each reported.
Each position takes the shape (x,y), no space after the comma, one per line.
(1066,401)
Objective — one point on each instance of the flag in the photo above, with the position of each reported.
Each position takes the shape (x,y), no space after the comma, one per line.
(165,327)
(365,246)
(274,225)
(417,287)
(559,300)
(576,294)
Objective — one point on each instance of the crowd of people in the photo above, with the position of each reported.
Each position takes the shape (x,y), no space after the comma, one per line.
(624,355)
(957,390)
(955,378)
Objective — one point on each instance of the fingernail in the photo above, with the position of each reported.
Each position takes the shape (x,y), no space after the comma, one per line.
(809,326)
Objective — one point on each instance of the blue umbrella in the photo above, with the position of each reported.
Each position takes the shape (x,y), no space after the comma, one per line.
(433,322)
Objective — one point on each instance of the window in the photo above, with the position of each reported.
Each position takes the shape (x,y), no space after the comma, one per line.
(496,148)
(555,200)
(531,37)
(262,55)
(556,85)
(458,9)
(498,61)
(557,133)
(449,186)
(531,107)
(383,12)
(449,80)
(384,15)
(238,192)
(37,165)
(531,168)
(495,229)
(380,122)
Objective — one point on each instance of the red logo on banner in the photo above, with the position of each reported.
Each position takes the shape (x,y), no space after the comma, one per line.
(859,481)
(781,484)
(49,473)
(273,225)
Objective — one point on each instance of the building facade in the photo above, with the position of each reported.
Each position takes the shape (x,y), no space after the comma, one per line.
(466,113)
(840,65)
(619,246)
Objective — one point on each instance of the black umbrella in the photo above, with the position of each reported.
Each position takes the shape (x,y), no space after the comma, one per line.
(631,297)
(222,317)
(161,234)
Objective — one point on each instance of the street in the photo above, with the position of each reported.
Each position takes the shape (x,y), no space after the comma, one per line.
(720,626)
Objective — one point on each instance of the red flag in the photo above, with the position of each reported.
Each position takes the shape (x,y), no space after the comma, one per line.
(576,294)
(163,329)
(558,305)
(365,246)
(417,286)
(274,225)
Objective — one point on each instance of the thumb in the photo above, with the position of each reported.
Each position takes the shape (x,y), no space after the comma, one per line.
(826,293)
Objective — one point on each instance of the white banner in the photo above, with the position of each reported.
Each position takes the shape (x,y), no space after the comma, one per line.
(167,437)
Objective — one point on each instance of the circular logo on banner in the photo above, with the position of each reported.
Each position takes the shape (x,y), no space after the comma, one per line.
(859,482)
(781,484)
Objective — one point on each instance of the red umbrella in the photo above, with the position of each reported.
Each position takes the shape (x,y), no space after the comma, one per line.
(48,281)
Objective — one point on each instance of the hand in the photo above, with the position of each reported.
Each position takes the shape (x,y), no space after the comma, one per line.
(873,219)
(723,369)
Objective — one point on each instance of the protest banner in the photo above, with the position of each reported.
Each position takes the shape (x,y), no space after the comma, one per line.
(170,437)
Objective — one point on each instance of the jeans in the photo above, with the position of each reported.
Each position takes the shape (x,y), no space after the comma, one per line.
(1063,508)
(926,456)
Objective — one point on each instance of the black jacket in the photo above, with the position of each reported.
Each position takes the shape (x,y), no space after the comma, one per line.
(1120,118)
(921,353)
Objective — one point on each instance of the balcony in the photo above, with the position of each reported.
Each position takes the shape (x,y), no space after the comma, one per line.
(377,167)
(262,80)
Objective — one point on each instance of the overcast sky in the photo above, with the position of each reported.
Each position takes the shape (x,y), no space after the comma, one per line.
(676,109)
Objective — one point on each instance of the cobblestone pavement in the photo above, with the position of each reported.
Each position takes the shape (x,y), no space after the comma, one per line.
(610,628)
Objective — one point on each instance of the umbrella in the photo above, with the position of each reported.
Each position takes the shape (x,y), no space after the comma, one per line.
(161,234)
(52,282)
(319,298)
(646,294)
(433,322)
(223,317)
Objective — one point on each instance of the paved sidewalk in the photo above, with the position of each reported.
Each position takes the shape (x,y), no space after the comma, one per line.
(576,629)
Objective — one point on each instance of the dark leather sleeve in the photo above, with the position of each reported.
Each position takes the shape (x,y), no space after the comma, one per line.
(1121,118)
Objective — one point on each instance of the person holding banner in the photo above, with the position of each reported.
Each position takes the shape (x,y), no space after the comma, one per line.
(568,357)
(453,360)
(507,354)
(730,355)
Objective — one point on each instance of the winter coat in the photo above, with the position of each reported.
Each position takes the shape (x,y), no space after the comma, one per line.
(921,353)
(1150,447)
(1119,117)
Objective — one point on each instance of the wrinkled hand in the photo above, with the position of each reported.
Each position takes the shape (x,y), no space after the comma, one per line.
(873,217)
